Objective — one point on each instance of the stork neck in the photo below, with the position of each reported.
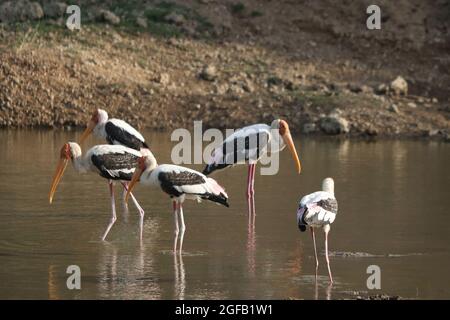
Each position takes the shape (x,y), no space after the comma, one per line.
(277,144)
(79,164)
(99,130)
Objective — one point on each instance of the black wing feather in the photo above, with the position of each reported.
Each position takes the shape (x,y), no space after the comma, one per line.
(115,133)
(111,165)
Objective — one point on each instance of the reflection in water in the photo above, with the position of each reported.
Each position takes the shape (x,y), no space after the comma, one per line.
(388,190)
(52,285)
(180,276)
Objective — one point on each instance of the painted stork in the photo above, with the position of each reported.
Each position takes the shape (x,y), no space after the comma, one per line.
(115,131)
(179,183)
(318,210)
(247,146)
(112,162)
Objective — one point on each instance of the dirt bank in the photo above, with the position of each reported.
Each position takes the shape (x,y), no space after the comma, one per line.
(163,65)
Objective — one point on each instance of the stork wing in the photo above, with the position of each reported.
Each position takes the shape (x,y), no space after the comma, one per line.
(115,165)
(120,132)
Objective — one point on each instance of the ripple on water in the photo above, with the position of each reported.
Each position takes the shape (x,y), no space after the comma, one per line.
(185,253)
(348,254)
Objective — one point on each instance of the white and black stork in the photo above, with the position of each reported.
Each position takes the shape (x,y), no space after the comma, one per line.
(112,162)
(247,145)
(115,131)
(179,183)
(318,210)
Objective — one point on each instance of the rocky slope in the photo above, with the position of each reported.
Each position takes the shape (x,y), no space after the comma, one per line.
(164,64)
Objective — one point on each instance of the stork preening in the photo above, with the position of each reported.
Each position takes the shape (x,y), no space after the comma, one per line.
(318,210)
(247,146)
(179,183)
(112,162)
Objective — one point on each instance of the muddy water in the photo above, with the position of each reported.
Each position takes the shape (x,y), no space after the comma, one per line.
(394,213)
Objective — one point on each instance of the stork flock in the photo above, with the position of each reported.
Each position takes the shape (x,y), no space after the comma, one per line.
(127,159)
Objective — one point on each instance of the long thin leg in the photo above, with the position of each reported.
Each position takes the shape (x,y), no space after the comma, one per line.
(175,214)
(326,254)
(249,190)
(313,235)
(253,189)
(113,210)
(124,193)
(183,226)
(141,211)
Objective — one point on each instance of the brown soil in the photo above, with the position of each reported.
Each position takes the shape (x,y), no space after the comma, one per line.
(299,60)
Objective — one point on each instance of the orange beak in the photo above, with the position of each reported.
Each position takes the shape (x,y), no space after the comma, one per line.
(287,138)
(87,131)
(57,177)
(136,176)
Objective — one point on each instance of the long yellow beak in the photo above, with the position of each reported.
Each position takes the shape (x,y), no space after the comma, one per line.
(136,176)
(87,131)
(288,140)
(57,177)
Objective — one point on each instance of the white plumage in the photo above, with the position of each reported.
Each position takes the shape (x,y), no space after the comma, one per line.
(318,210)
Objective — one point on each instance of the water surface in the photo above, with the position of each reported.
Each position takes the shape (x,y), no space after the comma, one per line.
(393,212)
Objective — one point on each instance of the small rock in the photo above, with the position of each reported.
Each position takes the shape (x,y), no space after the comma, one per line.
(334,124)
(175,18)
(412,105)
(248,86)
(221,89)
(108,17)
(141,22)
(55,9)
(382,89)
(163,79)
(309,128)
(399,86)
(434,100)
(394,108)
(208,73)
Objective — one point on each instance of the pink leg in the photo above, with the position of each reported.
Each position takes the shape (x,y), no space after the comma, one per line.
(141,211)
(326,255)
(251,189)
(177,229)
(315,250)
(113,210)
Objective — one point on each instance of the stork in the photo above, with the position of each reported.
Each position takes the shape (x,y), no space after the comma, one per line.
(247,146)
(179,183)
(115,131)
(112,162)
(318,210)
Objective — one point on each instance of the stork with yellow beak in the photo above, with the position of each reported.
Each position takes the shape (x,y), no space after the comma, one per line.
(247,146)
(112,162)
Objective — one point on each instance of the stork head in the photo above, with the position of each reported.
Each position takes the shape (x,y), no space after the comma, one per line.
(99,116)
(69,151)
(328,185)
(147,162)
(283,130)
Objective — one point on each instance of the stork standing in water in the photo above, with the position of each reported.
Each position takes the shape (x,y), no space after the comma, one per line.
(179,183)
(112,162)
(247,146)
(318,210)
(115,131)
